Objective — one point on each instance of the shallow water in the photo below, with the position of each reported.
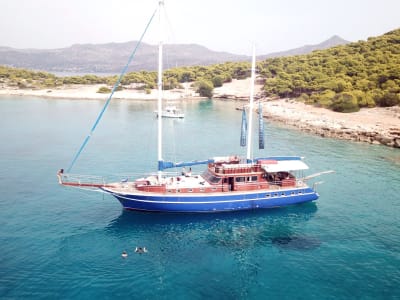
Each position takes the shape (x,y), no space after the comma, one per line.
(63,243)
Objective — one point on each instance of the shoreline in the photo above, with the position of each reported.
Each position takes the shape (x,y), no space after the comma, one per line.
(379,125)
(89,92)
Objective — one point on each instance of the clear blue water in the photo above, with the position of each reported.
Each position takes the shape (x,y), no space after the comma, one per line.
(60,243)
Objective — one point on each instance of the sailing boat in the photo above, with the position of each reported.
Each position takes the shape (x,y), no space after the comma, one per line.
(171,111)
(228,183)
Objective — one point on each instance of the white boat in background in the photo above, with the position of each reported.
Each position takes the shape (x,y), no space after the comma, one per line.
(171,112)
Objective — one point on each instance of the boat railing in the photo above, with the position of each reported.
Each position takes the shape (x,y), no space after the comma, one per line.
(234,168)
(79,180)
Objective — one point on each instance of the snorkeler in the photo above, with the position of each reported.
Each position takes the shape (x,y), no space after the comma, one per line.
(140,250)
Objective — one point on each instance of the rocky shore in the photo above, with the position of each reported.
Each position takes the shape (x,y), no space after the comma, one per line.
(371,125)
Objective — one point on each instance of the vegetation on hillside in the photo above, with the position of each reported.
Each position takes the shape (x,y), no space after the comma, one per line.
(342,78)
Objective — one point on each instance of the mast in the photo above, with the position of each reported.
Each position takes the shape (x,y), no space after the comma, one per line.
(159,84)
(253,76)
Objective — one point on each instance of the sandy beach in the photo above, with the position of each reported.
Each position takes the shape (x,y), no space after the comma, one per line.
(90,92)
(372,125)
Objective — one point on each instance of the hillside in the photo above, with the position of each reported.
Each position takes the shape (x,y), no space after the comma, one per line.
(112,57)
(331,42)
(343,78)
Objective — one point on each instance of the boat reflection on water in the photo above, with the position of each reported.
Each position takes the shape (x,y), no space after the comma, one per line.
(281,227)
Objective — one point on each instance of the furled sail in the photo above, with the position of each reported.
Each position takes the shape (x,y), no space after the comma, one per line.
(260,126)
(243,133)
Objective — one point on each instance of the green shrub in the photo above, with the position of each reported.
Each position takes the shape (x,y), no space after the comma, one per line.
(303,98)
(217,81)
(103,90)
(325,99)
(388,99)
(345,102)
(205,89)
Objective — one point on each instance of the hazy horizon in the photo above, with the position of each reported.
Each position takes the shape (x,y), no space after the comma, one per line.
(218,25)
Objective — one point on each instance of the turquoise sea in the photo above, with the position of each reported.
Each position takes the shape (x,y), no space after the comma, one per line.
(60,243)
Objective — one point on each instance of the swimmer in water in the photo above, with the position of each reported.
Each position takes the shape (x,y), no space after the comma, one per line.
(124,254)
(141,250)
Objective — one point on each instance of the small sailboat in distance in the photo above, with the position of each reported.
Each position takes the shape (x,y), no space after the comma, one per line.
(171,111)
(228,183)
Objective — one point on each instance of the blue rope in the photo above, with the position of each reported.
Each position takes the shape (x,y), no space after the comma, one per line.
(111,94)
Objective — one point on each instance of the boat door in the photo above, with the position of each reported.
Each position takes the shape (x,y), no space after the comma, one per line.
(231,183)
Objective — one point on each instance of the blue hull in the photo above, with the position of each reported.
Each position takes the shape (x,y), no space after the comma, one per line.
(215,202)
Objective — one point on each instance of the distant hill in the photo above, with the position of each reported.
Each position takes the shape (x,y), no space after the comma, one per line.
(331,42)
(112,57)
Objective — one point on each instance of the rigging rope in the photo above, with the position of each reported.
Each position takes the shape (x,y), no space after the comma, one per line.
(111,94)
(260,126)
(243,133)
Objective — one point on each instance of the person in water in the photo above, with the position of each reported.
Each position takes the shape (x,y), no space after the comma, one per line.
(140,250)
(124,254)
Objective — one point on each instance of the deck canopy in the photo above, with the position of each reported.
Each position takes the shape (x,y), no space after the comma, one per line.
(273,166)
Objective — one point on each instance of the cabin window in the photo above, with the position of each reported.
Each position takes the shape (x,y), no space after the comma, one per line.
(239,179)
(190,190)
(214,179)
(267,195)
(178,190)
(252,178)
(211,178)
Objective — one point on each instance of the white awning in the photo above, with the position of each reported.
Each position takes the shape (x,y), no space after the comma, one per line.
(284,166)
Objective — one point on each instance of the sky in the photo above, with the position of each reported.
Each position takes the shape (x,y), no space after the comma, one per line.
(220,25)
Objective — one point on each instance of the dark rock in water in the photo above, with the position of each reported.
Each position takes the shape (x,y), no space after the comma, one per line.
(296,242)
